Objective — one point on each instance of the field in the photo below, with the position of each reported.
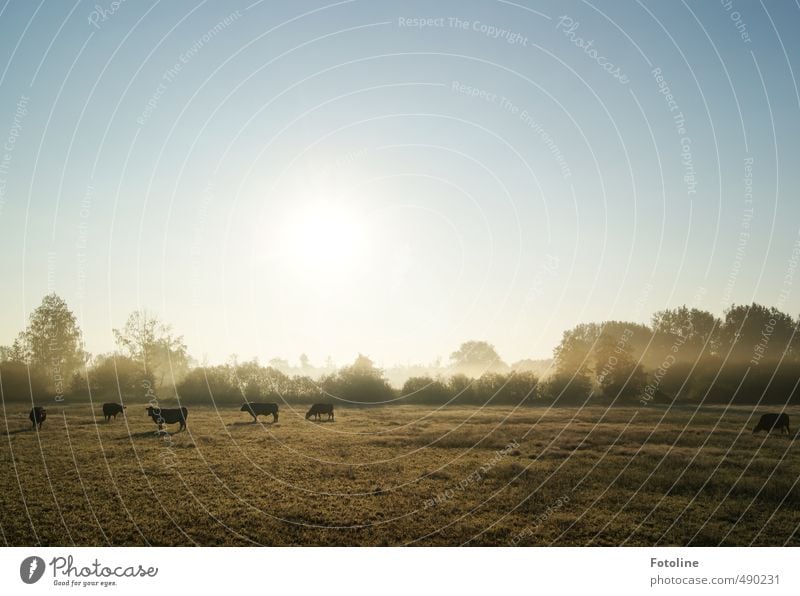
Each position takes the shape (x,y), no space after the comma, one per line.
(400,475)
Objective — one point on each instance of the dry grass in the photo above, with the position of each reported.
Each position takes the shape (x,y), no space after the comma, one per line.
(400,475)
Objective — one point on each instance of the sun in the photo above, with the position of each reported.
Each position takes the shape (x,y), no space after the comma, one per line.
(324,238)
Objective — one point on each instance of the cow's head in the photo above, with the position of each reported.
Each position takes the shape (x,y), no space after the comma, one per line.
(245,408)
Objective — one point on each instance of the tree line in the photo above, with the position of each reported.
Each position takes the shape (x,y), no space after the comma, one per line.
(685,355)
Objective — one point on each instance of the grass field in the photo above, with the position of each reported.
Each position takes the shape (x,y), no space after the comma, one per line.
(400,475)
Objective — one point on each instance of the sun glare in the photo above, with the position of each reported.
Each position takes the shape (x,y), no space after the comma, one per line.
(324,239)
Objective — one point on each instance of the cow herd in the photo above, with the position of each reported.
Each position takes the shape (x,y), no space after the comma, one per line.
(162,416)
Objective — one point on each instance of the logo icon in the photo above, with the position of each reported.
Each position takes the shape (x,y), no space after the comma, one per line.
(31,569)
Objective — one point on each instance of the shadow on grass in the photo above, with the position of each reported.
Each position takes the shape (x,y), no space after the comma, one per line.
(153,434)
(19,431)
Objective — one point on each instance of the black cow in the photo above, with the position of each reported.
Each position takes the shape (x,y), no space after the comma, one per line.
(317,410)
(163,416)
(768,422)
(37,416)
(110,410)
(259,409)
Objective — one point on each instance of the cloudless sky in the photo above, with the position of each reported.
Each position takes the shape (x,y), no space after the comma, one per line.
(329,178)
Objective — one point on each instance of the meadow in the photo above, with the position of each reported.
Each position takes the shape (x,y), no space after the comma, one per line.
(400,475)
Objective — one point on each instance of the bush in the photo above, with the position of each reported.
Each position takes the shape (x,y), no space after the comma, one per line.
(23,384)
(425,390)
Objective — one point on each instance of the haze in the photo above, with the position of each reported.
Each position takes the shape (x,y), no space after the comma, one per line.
(282,178)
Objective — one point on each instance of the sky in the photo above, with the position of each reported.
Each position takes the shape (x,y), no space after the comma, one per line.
(394,178)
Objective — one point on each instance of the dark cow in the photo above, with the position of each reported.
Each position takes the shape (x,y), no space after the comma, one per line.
(259,409)
(768,422)
(317,410)
(163,416)
(37,416)
(110,410)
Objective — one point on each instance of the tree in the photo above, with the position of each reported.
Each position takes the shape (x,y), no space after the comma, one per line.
(252,392)
(7,354)
(474,358)
(462,389)
(51,344)
(209,384)
(425,390)
(519,387)
(756,329)
(280,364)
(573,355)
(617,372)
(691,331)
(361,382)
(116,376)
(19,384)
(565,389)
(148,341)
(77,385)
(363,366)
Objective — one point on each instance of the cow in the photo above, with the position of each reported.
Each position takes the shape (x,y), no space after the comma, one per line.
(258,409)
(37,416)
(110,410)
(317,410)
(768,422)
(163,416)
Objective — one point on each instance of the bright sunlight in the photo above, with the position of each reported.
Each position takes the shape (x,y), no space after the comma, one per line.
(324,239)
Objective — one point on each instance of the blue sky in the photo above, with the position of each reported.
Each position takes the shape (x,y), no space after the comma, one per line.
(330,178)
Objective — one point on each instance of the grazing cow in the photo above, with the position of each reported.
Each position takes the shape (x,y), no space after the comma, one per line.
(37,416)
(768,422)
(163,416)
(110,410)
(258,409)
(317,410)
